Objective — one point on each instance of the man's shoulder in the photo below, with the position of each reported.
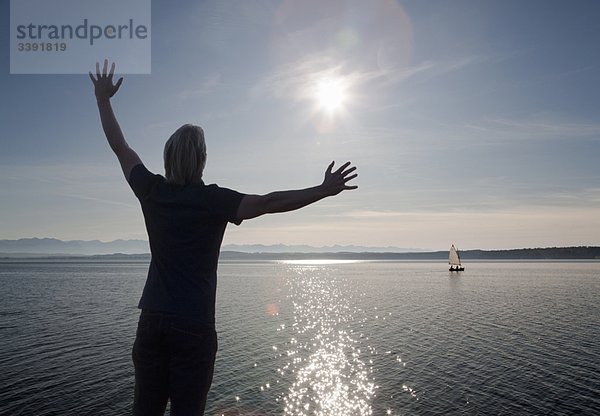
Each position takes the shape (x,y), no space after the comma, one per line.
(142,181)
(140,170)
(213,187)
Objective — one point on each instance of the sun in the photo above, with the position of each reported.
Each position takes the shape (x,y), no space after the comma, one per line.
(331,94)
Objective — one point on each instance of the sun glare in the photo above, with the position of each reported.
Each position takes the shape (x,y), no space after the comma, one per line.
(331,94)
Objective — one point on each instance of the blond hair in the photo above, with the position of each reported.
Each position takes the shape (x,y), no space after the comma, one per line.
(185,155)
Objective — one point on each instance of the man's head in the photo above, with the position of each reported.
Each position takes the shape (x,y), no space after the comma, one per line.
(185,155)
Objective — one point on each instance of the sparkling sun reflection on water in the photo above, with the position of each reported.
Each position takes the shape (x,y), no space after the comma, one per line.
(324,355)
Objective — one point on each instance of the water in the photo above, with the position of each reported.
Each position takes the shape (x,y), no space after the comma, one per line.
(318,339)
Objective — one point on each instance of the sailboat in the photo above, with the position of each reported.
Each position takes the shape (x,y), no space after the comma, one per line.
(454,260)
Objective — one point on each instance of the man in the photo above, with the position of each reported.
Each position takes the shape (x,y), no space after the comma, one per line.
(176,343)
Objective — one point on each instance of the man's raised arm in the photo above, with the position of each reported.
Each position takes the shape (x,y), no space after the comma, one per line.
(253,206)
(104,90)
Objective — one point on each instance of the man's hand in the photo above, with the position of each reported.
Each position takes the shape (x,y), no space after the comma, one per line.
(335,182)
(103,83)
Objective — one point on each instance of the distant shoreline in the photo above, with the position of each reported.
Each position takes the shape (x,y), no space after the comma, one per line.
(529,254)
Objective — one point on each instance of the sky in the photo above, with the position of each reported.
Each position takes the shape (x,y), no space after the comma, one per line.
(475,123)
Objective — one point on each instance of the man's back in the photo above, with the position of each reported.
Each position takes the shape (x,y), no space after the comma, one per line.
(185,227)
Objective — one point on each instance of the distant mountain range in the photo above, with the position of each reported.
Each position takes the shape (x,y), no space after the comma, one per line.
(138,250)
(51,246)
(283,248)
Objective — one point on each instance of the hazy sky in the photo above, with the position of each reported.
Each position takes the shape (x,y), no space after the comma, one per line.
(471,122)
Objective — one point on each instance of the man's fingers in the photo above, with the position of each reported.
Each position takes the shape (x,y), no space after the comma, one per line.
(118,84)
(112,71)
(346,172)
(97,70)
(105,67)
(351,187)
(92,78)
(349,178)
(330,167)
(341,168)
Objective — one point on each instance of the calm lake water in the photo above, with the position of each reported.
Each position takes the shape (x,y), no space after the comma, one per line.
(370,338)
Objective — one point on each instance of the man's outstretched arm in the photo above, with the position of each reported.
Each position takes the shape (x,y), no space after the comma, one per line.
(104,90)
(253,206)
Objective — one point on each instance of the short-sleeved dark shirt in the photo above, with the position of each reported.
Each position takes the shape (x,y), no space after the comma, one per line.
(185,227)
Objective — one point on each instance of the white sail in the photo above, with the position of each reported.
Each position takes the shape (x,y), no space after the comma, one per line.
(453,257)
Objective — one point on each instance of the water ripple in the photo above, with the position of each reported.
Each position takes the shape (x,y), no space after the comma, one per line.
(325,339)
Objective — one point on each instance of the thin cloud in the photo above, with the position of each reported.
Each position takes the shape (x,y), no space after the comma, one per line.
(373,214)
(287,81)
(64,173)
(537,127)
(293,80)
(94,199)
(507,202)
(204,87)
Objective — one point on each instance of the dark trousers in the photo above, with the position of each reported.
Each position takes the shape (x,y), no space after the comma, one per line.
(174,358)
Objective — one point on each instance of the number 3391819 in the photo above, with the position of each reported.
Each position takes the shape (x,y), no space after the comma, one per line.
(42,46)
